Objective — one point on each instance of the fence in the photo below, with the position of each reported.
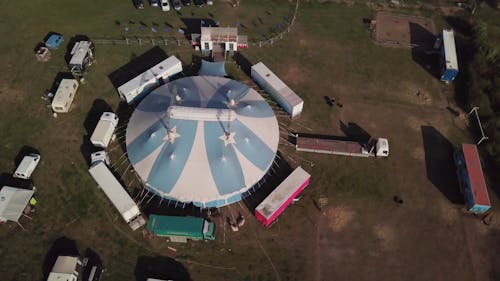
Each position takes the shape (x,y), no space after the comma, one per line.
(181,41)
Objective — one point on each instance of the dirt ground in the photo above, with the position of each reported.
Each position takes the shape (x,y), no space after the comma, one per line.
(403,31)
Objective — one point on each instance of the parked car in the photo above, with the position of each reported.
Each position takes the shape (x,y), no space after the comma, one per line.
(199,3)
(154,3)
(165,6)
(186,2)
(139,4)
(176,4)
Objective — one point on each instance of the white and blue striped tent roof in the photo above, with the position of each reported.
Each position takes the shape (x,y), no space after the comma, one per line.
(204,140)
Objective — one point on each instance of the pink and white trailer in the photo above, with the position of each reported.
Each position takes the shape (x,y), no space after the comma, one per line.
(274,204)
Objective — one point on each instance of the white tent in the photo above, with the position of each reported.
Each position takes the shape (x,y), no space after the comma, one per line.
(13,201)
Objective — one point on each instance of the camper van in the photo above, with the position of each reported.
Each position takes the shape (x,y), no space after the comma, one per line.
(104,130)
(82,56)
(64,95)
(27,166)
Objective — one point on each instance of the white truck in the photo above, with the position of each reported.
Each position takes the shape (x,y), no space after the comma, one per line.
(103,132)
(27,166)
(117,194)
(379,147)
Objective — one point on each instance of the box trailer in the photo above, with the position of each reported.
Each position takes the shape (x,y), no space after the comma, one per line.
(139,86)
(471,178)
(27,166)
(379,147)
(117,194)
(274,204)
(277,89)
(82,56)
(448,56)
(181,229)
(103,132)
(64,95)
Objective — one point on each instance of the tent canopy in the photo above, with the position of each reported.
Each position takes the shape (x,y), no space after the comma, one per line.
(13,201)
(212,68)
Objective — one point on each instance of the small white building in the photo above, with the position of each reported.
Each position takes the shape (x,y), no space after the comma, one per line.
(226,37)
(64,95)
(141,84)
(13,201)
(66,268)
(277,89)
(82,56)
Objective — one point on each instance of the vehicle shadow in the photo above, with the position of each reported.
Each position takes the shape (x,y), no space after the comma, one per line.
(439,164)
(354,131)
(62,246)
(158,267)
(422,51)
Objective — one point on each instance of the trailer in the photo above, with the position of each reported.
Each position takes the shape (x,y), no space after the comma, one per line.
(27,166)
(181,229)
(379,147)
(117,194)
(103,132)
(274,204)
(64,95)
(448,56)
(471,179)
(82,56)
(277,89)
(139,86)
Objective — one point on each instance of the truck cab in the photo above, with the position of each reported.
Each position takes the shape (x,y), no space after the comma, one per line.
(208,230)
(382,148)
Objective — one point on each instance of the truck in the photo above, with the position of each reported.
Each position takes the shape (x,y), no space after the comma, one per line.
(374,147)
(276,203)
(471,179)
(181,229)
(117,194)
(103,132)
(448,56)
(142,84)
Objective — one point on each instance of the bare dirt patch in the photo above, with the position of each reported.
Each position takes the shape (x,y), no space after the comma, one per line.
(386,235)
(8,94)
(295,75)
(339,217)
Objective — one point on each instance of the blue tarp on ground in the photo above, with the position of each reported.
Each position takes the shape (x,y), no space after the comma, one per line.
(54,41)
(212,68)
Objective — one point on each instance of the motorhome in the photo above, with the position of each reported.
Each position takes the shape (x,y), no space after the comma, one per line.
(64,96)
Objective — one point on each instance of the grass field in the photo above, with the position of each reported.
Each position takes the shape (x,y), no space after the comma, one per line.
(361,235)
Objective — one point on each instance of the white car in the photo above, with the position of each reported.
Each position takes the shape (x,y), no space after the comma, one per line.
(165,6)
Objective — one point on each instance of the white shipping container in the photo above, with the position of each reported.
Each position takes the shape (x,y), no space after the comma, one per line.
(277,89)
(150,78)
(115,191)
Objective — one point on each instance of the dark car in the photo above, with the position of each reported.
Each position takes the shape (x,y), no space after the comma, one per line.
(199,3)
(186,2)
(139,4)
(176,4)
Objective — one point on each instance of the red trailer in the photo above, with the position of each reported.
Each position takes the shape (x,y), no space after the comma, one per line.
(274,204)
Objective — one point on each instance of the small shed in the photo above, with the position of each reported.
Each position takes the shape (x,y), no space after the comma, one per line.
(13,201)
(64,95)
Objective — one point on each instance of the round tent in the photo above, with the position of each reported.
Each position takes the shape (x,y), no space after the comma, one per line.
(204,140)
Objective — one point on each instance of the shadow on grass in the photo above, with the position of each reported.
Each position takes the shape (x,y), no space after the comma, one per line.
(160,268)
(439,164)
(63,246)
(355,132)
(244,63)
(93,261)
(422,52)
(136,66)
